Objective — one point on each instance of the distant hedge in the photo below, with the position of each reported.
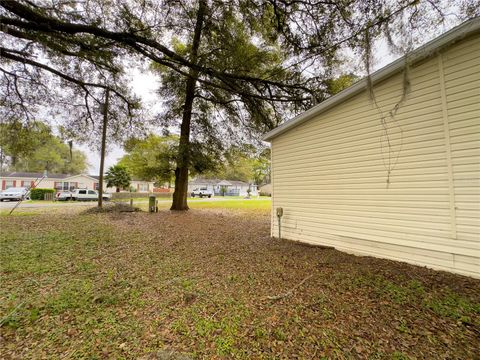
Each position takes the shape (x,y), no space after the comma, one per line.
(39,193)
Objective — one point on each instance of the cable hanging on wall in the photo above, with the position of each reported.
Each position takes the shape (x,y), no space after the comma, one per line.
(389,146)
(391,139)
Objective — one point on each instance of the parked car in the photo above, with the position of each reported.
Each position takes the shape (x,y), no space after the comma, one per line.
(63,195)
(202,192)
(14,193)
(81,195)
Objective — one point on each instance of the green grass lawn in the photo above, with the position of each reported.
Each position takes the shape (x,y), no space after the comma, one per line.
(212,284)
(227,203)
(261,204)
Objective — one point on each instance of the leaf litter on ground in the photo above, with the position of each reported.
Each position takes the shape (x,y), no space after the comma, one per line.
(194,285)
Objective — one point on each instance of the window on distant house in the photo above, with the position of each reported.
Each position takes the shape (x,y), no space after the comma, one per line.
(96,187)
(8,184)
(142,187)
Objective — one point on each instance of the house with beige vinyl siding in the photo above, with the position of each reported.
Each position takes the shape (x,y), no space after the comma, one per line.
(396,176)
(48,180)
(63,182)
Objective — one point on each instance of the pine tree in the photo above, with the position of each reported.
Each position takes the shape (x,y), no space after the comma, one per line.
(118,176)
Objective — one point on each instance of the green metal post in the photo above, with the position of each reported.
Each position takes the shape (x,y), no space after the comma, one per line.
(151,203)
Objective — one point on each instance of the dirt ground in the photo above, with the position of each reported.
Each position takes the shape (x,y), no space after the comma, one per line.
(213,284)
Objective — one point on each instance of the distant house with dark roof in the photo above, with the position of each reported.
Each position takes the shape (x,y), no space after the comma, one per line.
(223,187)
(62,181)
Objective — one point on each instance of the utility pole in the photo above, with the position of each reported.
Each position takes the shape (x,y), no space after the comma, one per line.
(102,150)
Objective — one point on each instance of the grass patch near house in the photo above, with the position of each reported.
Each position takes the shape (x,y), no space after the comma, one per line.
(261,204)
(37,201)
(208,283)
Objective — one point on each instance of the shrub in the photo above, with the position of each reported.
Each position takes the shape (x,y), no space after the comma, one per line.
(39,193)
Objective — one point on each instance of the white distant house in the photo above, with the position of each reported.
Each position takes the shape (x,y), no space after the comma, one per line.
(63,182)
(399,182)
(223,187)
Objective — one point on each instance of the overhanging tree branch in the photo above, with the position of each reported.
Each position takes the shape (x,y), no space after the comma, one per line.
(9,54)
(38,22)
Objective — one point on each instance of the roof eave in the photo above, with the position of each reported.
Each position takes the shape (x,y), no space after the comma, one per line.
(84,175)
(466,29)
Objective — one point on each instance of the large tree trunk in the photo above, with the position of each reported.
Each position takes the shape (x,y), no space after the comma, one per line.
(183,159)
(102,150)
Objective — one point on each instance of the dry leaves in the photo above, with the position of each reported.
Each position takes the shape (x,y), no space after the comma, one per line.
(194,284)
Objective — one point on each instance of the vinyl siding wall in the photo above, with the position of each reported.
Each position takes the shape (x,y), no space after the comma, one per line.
(330,173)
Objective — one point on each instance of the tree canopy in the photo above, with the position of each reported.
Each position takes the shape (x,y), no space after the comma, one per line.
(273,51)
(34,148)
(151,159)
(244,163)
(118,176)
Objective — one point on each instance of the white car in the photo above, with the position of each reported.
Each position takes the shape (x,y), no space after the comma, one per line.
(202,192)
(81,195)
(14,193)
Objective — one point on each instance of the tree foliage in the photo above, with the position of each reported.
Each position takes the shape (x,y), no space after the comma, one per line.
(34,148)
(261,168)
(260,54)
(19,141)
(337,84)
(154,158)
(118,176)
(151,159)
(44,73)
(245,163)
